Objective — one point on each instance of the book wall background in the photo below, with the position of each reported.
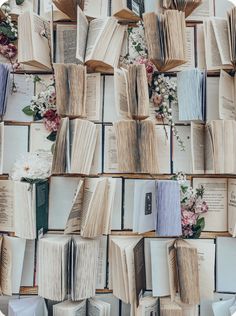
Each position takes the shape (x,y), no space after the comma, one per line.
(22,134)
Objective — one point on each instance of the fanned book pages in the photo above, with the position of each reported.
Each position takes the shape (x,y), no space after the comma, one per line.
(70,89)
(75,147)
(148,305)
(168,208)
(166,38)
(84,266)
(66,43)
(218,46)
(127,10)
(192,105)
(169,308)
(5,87)
(188,6)
(97,9)
(127,268)
(187,267)
(24,208)
(91,207)
(232,34)
(27,306)
(90,307)
(68,7)
(99,42)
(213,147)
(131,92)
(136,146)
(35,31)
(53,267)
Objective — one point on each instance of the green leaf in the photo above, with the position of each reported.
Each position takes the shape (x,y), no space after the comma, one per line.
(52,136)
(28,111)
(201,222)
(19,2)
(37,116)
(6,30)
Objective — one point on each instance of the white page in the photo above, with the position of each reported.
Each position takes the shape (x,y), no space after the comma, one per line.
(117,207)
(163,148)
(222,308)
(222,7)
(212,106)
(110,151)
(232,207)
(110,112)
(160,272)
(206,305)
(20,99)
(38,138)
(145,209)
(62,191)
(215,195)
(227,108)
(18,251)
(96,166)
(205,10)
(27,307)
(28,265)
(15,145)
(182,158)
(225,269)
(102,263)
(128,203)
(112,300)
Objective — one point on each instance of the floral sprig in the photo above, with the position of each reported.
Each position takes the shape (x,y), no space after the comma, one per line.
(43,105)
(163,94)
(193,206)
(8,38)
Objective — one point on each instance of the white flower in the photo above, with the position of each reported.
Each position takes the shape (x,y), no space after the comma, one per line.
(32,166)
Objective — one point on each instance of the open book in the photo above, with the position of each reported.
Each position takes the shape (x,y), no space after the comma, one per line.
(127,268)
(213,147)
(24,208)
(78,94)
(136,146)
(192,105)
(188,6)
(219,37)
(70,89)
(35,31)
(227,96)
(127,10)
(75,147)
(166,38)
(131,92)
(175,264)
(220,195)
(92,207)
(67,265)
(90,307)
(27,306)
(99,42)
(84,265)
(155,205)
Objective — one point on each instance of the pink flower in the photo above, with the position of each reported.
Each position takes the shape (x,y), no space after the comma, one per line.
(201,208)
(188,218)
(51,120)
(187,231)
(9,51)
(150,67)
